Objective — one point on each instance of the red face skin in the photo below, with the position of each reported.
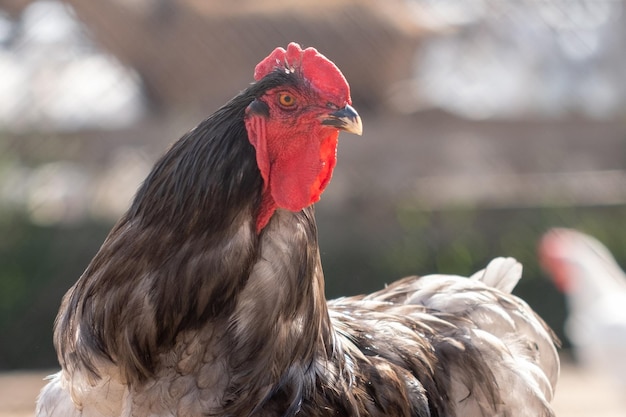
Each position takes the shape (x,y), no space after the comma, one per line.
(295,152)
(551,260)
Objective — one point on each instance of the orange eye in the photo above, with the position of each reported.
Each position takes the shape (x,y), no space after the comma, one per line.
(286,99)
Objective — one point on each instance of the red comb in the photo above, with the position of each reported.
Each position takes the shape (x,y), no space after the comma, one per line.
(321,73)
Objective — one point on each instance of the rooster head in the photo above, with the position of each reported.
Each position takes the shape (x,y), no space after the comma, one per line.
(294,126)
(553,257)
(577,262)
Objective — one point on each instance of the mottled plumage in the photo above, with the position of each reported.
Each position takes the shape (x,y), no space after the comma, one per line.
(207,297)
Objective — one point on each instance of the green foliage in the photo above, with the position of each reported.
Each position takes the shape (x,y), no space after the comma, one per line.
(462,241)
(37,266)
(360,253)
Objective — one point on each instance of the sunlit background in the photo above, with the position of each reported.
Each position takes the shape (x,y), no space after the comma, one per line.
(486,123)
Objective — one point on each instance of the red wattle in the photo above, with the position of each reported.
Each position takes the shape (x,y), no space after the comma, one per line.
(328,156)
(295,171)
(297,179)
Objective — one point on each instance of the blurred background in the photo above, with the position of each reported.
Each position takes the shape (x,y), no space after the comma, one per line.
(486,122)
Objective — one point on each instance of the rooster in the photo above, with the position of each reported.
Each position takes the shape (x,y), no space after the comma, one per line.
(207,297)
(595,286)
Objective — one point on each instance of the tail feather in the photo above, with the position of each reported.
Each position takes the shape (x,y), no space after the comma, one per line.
(501,273)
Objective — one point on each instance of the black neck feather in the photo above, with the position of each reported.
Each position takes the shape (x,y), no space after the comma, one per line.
(210,174)
(179,256)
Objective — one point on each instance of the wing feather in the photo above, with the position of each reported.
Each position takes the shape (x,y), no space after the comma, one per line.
(475,349)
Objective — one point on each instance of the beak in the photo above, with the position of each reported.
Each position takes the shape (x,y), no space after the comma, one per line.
(345,119)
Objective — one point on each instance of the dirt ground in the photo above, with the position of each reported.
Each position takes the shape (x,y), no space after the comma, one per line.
(580,393)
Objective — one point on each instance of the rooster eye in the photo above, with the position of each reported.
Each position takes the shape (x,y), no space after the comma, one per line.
(286,100)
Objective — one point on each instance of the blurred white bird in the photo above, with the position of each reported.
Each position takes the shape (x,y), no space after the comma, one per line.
(595,287)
